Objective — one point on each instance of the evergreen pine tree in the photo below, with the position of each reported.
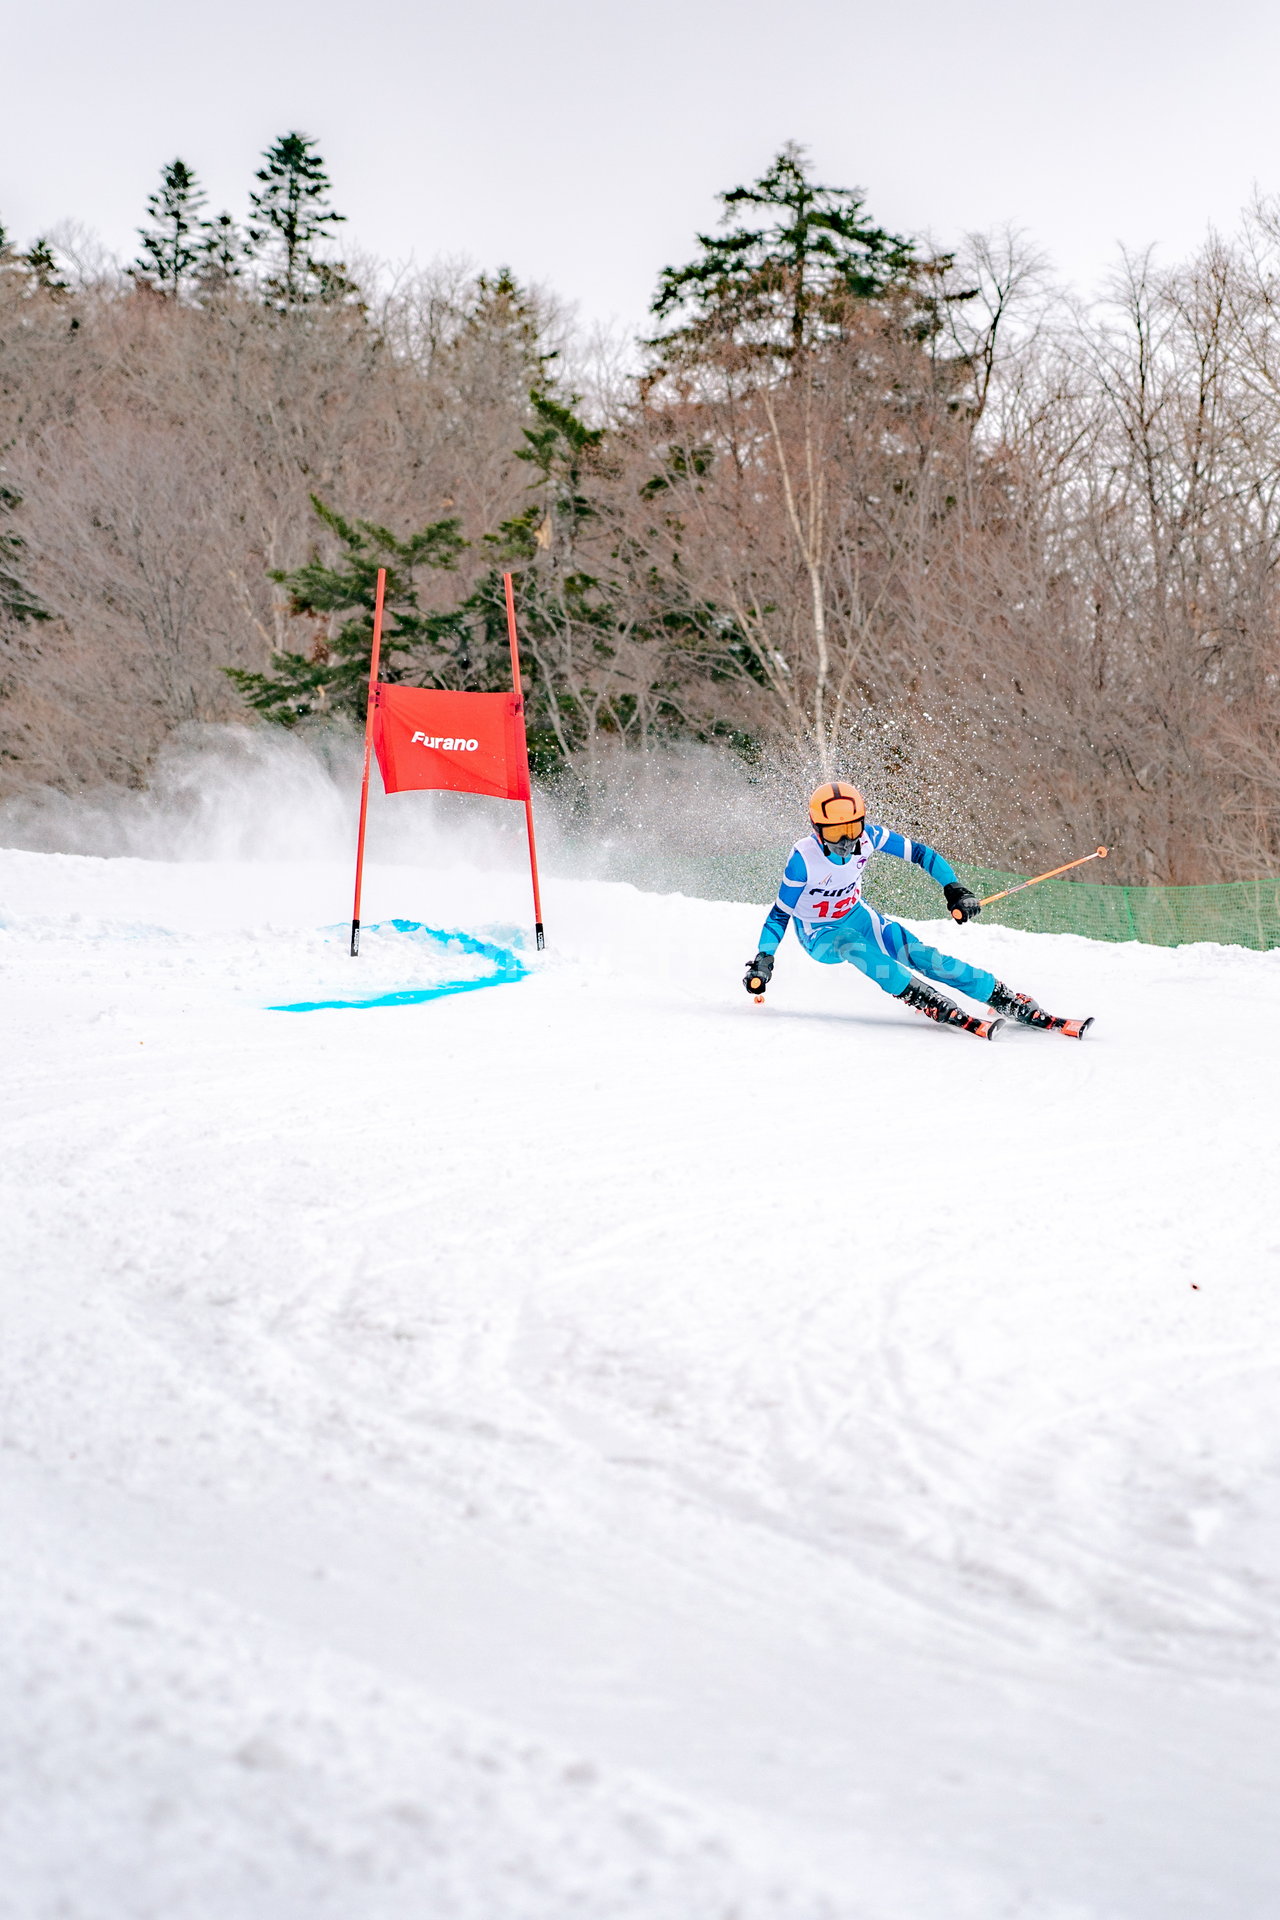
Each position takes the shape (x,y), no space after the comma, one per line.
(16,603)
(289,222)
(10,260)
(558,447)
(503,312)
(792,253)
(333,677)
(171,246)
(41,263)
(36,268)
(572,587)
(221,255)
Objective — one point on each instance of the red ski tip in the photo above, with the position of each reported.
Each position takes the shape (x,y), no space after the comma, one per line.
(1077,1029)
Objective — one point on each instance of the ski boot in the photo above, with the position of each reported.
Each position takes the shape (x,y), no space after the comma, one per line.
(1021,1007)
(936,1006)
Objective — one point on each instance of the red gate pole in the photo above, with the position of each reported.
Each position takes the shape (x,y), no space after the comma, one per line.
(368,750)
(528,805)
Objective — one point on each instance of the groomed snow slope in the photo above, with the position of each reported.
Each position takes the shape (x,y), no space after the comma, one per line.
(593,1447)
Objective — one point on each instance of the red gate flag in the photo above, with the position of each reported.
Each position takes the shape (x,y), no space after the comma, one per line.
(462,742)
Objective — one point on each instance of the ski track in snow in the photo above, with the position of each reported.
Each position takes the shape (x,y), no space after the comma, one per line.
(598,1448)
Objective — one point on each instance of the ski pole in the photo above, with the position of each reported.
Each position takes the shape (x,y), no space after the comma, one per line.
(1083,861)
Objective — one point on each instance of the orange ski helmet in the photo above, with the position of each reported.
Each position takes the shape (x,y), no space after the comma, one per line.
(838,813)
(837,805)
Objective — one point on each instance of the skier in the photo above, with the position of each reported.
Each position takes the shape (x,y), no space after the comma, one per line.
(821,892)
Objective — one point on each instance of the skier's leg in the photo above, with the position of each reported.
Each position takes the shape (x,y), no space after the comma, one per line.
(944,968)
(856,940)
(884,951)
(866,940)
(948,971)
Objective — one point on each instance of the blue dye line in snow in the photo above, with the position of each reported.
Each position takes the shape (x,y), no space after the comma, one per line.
(507,969)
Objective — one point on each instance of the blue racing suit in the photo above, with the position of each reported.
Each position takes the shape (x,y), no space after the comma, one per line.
(823,899)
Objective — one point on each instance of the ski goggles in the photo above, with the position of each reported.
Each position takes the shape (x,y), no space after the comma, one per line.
(842,830)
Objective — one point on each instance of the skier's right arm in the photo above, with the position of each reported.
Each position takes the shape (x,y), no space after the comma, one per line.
(776,923)
(773,929)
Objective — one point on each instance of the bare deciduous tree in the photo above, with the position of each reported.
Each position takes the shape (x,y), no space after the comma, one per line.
(1025,552)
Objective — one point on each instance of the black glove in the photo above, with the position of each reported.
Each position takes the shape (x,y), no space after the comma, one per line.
(963,904)
(759,973)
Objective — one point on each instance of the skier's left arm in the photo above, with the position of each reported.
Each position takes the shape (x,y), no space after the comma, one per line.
(960,901)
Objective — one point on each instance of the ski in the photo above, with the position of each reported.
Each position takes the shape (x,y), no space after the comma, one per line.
(1028,1013)
(967,1022)
(1074,1029)
(1056,1023)
(945,1013)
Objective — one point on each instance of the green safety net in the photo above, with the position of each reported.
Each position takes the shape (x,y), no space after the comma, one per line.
(1241,913)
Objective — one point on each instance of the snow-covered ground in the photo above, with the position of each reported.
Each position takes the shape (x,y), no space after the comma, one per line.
(596,1448)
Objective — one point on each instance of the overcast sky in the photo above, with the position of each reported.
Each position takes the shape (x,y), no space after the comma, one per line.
(582,142)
